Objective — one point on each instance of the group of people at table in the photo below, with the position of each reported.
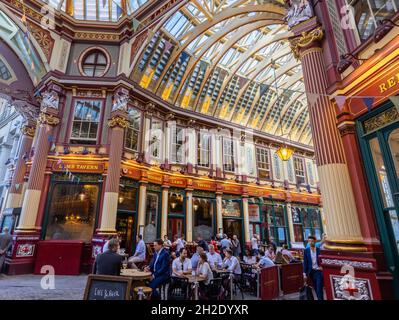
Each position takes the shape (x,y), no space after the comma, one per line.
(221,254)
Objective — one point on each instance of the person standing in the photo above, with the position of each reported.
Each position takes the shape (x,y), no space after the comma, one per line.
(159,268)
(5,245)
(109,262)
(273,244)
(139,254)
(236,246)
(311,268)
(202,243)
(255,245)
(215,244)
(195,257)
(178,244)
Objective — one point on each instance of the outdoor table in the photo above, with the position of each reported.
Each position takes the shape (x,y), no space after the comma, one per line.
(194,280)
(138,277)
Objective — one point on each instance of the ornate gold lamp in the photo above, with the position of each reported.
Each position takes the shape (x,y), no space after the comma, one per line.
(284,152)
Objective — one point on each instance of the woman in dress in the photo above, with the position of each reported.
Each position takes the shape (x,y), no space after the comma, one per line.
(204,271)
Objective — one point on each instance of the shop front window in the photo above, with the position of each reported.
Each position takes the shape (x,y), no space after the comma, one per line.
(254,220)
(277,227)
(127,198)
(175,203)
(151,217)
(202,218)
(297,222)
(72,212)
(307,222)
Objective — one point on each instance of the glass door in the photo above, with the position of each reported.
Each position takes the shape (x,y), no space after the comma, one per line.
(381,151)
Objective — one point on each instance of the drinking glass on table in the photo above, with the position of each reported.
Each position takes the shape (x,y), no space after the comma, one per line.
(124,264)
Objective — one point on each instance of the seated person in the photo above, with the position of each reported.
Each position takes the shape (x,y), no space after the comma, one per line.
(287,255)
(109,262)
(204,270)
(202,243)
(182,265)
(195,257)
(264,261)
(159,268)
(139,254)
(214,258)
(249,258)
(270,253)
(231,263)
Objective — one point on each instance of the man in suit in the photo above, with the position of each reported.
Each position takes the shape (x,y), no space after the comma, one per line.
(109,262)
(159,267)
(311,268)
(5,245)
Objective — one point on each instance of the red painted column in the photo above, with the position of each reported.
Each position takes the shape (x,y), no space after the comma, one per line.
(117,123)
(48,119)
(342,222)
(346,249)
(27,234)
(14,198)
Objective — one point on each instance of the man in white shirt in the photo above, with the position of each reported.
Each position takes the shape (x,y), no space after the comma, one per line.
(181,265)
(231,263)
(179,244)
(254,245)
(264,261)
(214,258)
(139,254)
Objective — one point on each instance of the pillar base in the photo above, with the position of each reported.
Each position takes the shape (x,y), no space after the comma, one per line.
(23,253)
(358,271)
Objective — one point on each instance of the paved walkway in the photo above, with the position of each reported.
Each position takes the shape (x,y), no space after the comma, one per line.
(28,287)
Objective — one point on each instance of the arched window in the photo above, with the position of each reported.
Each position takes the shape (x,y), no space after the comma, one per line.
(95,63)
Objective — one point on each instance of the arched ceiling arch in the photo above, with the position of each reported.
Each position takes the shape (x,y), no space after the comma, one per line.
(17,37)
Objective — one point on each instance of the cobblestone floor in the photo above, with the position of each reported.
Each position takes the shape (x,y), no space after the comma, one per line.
(28,287)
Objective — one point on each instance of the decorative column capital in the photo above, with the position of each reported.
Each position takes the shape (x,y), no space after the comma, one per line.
(28,131)
(347,127)
(305,40)
(118,121)
(48,119)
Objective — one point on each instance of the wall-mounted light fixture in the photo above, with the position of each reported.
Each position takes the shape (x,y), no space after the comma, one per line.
(346,61)
(383,29)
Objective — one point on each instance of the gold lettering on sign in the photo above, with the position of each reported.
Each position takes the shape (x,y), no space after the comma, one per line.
(390,83)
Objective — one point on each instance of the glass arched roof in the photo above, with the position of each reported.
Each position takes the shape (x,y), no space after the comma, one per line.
(100,10)
(230,59)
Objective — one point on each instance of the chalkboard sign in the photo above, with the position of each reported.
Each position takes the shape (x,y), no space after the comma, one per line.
(100,287)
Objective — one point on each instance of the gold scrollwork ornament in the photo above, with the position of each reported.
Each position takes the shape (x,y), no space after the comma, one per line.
(305,39)
(118,121)
(48,119)
(28,131)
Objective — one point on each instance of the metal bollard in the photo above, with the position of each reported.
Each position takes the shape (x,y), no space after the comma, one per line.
(141,293)
(231,285)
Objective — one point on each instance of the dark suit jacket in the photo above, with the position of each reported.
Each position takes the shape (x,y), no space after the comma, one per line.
(162,268)
(108,263)
(307,260)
